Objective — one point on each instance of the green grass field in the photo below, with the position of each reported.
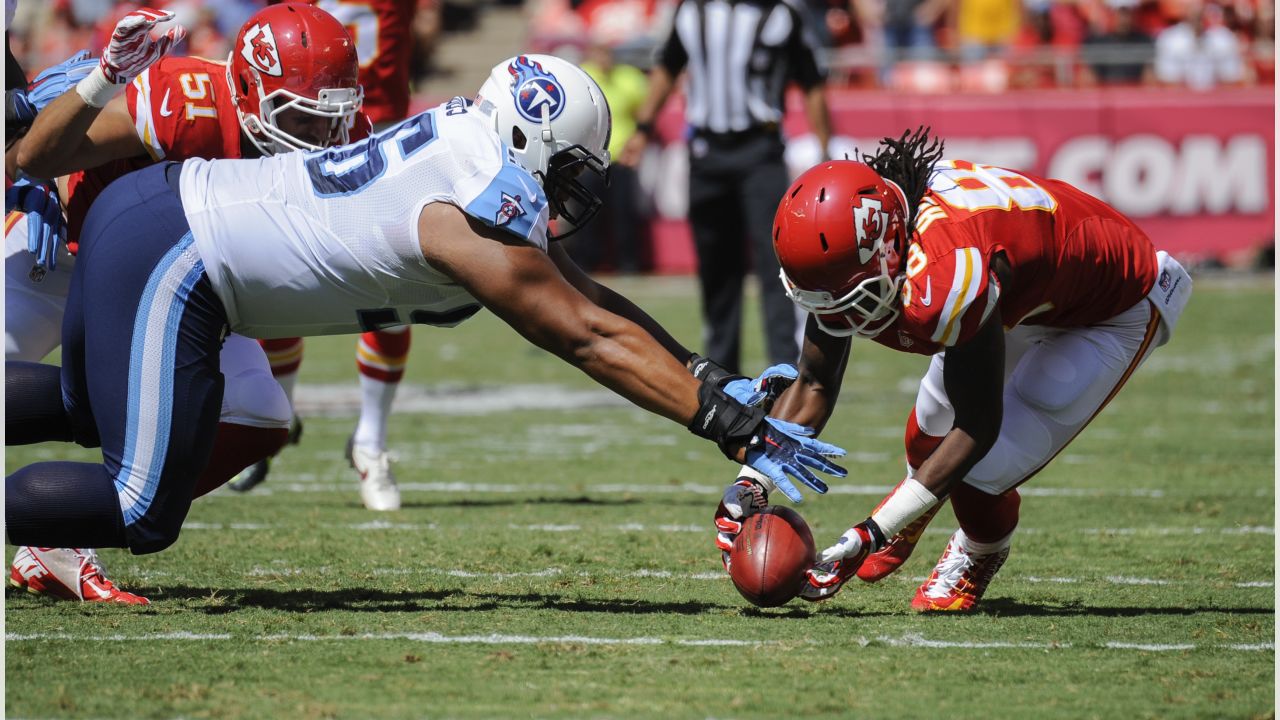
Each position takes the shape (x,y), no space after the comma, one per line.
(559,562)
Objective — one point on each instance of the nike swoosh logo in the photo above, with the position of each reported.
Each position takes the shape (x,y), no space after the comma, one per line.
(164,105)
(104,594)
(927,300)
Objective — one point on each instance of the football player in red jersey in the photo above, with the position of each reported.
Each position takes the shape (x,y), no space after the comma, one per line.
(289,83)
(381,30)
(1036,301)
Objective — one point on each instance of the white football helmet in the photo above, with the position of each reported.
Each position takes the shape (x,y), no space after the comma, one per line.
(556,120)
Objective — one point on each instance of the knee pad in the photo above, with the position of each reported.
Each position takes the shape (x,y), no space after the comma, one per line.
(1055,376)
(253,397)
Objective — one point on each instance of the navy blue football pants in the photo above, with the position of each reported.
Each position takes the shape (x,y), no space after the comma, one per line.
(140,343)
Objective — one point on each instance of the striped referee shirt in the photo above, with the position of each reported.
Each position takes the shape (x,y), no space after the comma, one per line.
(740,55)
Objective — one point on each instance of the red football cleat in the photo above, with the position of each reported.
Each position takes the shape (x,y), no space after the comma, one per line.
(889,558)
(959,579)
(69,574)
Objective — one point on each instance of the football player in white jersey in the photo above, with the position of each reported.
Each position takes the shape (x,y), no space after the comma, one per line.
(425,222)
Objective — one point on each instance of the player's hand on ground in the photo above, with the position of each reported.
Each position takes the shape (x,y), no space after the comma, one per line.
(742,499)
(132,49)
(780,449)
(46,226)
(840,561)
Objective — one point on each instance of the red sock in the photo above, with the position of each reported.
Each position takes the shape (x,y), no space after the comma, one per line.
(985,518)
(919,445)
(236,447)
(381,354)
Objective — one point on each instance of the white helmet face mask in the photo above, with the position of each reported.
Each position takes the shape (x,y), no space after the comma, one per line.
(556,121)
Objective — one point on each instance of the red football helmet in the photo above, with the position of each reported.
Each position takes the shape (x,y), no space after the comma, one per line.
(839,234)
(292,73)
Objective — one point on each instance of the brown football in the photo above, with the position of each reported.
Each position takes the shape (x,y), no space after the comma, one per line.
(770,556)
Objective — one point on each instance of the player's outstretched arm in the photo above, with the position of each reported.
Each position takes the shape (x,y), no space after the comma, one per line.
(974,379)
(614,302)
(812,397)
(66,136)
(521,285)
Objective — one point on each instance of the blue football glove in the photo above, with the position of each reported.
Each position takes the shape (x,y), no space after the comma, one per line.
(46,225)
(57,79)
(762,391)
(782,448)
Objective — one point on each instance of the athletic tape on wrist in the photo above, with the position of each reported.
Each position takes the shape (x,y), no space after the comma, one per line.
(907,502)
(96,90)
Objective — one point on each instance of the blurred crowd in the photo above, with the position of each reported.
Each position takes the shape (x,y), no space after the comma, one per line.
(46,32)
(979,45)
(909,45)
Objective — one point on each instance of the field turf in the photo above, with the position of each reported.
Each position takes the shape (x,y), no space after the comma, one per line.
(554,558)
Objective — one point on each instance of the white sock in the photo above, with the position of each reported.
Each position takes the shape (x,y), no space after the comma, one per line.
(375,408)
(288,382)
(973,547)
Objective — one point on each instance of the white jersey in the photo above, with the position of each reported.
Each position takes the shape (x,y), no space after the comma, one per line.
(326,242)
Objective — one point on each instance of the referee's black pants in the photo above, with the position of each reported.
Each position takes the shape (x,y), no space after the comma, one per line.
(735,184)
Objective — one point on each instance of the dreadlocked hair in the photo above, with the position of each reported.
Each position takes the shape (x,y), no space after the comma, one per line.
(908,161)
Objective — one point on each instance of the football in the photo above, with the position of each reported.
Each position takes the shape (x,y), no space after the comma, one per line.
(770,556)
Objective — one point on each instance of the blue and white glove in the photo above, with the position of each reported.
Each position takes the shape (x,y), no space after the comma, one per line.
(773,447)
(23,104)
(46,225)
(782,448)
(752,392)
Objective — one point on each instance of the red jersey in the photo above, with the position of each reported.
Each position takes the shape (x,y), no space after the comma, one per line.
(181,108)
(1076,261)
(383,33)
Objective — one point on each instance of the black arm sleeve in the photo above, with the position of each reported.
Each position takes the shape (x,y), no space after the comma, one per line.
(672,56)
(802,54)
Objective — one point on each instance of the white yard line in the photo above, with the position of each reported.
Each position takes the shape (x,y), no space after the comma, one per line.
(379,525)
(282,569)
(909,640)
(311,483)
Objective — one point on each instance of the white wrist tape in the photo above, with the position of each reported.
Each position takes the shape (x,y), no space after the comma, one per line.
(96,90)
(908,501)
(751,473)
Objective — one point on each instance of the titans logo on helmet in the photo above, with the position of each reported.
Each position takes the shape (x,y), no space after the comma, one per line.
(535,88)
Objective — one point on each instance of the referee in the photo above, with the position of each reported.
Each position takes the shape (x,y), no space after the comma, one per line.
(738,56)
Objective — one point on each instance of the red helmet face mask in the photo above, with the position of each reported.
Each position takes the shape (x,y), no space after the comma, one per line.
(293,76)
(839,235)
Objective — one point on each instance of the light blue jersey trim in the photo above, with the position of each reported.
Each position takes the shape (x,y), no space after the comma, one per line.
(152,354)
(512,201)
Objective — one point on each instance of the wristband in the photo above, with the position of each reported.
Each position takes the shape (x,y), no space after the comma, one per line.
(96,90)
(645,129)
(727,422)
(708,371)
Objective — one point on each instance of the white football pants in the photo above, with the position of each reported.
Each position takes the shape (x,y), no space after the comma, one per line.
(1057,380)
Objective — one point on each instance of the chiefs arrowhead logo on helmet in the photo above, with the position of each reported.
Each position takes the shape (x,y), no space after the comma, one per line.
(870,223)
(260,50)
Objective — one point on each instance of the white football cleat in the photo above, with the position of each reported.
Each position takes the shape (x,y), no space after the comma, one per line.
(377,482)
(69,574)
